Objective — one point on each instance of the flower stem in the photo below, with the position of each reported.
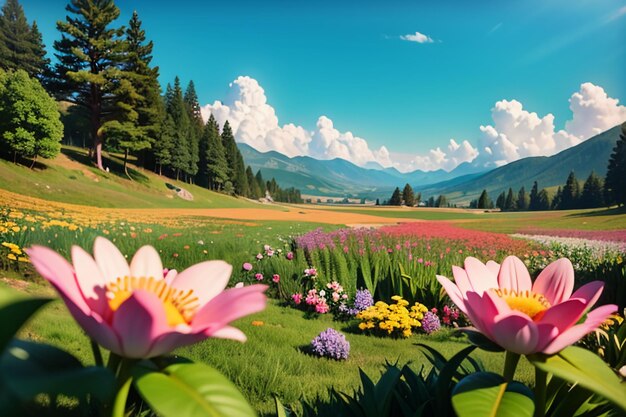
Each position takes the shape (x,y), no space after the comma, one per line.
(119,405)
(541,379)
(510,363)
(97,354)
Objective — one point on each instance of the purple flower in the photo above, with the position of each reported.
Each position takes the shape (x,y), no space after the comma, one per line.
(332,344)
(247,266)
(430,322)
(362,300)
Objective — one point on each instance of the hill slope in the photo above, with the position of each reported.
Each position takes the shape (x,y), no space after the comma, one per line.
(71,178)
(339,177)
(590,155)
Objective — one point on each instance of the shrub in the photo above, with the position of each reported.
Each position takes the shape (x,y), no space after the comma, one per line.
(392,319)
(332,344)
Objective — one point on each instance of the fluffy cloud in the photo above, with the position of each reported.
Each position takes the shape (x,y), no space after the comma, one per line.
(518,133)
(255,122)
(417,37)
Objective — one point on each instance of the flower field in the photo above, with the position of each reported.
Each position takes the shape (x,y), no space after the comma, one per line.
(352,291)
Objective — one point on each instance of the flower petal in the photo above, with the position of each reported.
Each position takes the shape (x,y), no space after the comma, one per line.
(556,281)
(169,341)
(207,279)
(575,333)
(564,315)
(230,305)
(547,333)
(461,280)
(90,281)
(494,267)
(229,332)
(146,263)
(481,278)
(516,332)
(110,260)
(171,274)
(453,292)
(139,321)
(514,275)
(54,268)
(589,292)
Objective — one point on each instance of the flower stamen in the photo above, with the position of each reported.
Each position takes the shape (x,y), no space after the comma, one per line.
(180,305)
(532,304)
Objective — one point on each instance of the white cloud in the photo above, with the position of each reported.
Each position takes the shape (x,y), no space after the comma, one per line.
(417,37)
(255,122)
(515,132)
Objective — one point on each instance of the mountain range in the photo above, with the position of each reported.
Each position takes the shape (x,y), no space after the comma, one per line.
(340,178)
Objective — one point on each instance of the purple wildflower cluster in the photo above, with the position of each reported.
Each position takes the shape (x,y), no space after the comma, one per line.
(362,300)
(430,322)
(332,344)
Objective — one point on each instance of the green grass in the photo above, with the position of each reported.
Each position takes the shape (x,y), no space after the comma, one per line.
(272,361)
(79,182)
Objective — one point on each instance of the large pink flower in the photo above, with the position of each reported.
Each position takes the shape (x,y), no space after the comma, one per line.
(521,316)
(136,311)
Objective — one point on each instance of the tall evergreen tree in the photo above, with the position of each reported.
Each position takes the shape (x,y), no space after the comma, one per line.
(484,202)
(217,165)
(615,180)
(571,193)
(501,201)
(557,200)
(418,199)
(534,197)
(149,104)
(261,182)
(176,110)
(89,55)
(237,172)
(522,199)
(408,195)
(396,198)
(543,200)
(255,190)
(164,144)
(509,204)
(196,127)
(592,195)
(441,201)
(21,45)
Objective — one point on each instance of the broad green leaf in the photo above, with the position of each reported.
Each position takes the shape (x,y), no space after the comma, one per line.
(582,367)
(15,310)
(191,390)
(29,368)
(488,394)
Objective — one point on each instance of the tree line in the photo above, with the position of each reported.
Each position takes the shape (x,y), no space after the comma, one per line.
(105,76)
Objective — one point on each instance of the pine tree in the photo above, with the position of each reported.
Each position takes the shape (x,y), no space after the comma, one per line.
(522,199)
(501,201)
(615,180)
(557,200)
(255,190)
(149,105)
(408,196)
(196,127)
(176,110)
(396,198)
(418,199)
(543,200)
(21,45)
(484,202)
(89,55)
(571,193)
(164,144)
(430,202)
(441,201)
(217,165)
(30,124)
(509,204)
(592,195)
(237,169)
(261,182)
(534,197)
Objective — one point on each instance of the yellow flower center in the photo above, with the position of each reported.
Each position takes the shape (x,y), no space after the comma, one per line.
(527,302)
(180,306)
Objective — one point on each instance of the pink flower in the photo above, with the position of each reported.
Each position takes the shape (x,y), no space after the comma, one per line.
(259,256)
(289,255)
(321,307)
(258,276)
(521,316)
(247,266)
(276,278)
(297,298)
(137,312)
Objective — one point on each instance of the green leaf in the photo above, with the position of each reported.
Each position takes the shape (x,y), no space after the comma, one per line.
(29,368)
(580,366)
(488,394)
(190,390)
(15,310)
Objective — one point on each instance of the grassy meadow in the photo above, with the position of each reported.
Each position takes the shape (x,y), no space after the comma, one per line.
(67,203)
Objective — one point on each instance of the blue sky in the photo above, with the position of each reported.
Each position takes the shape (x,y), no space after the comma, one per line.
(348,62)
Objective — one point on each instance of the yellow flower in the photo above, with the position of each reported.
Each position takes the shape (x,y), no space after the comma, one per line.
(12,257)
